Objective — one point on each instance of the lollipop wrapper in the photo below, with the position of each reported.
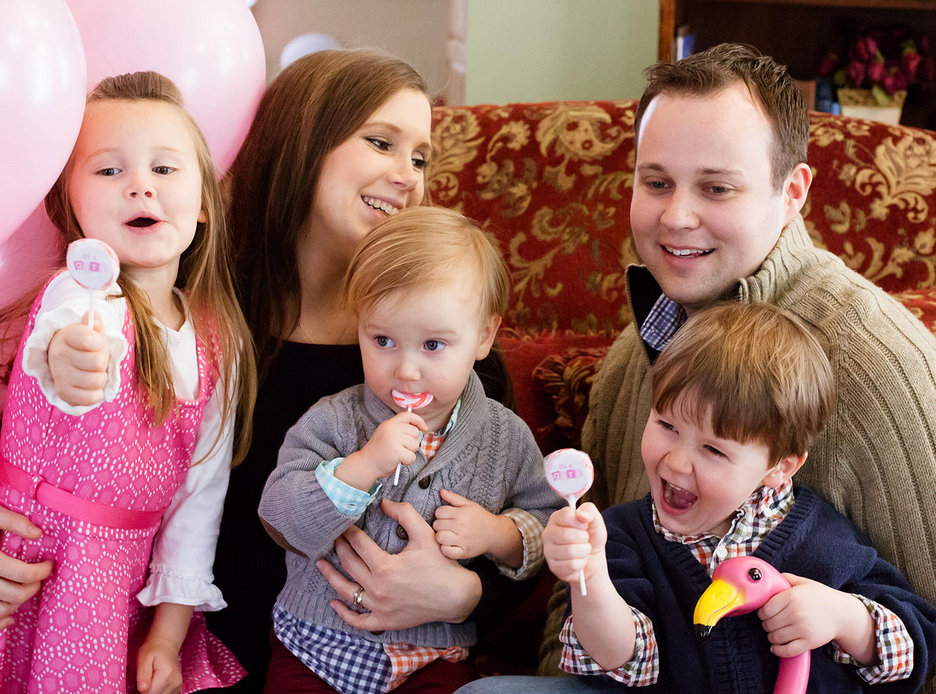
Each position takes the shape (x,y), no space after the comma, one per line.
(569,472)
(92,263)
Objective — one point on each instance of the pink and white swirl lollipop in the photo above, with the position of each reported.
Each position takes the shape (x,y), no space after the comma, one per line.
(94,265)
(570,473)
(411,401)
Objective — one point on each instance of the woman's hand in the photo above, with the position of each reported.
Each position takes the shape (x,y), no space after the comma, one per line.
(416,586)
(19,581)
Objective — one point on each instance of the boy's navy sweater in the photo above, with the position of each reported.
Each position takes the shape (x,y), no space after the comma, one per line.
(664,580)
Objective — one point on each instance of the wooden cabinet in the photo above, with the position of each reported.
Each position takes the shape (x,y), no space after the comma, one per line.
(797,33)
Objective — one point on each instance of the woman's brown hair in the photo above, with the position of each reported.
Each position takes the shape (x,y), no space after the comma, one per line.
(314,105)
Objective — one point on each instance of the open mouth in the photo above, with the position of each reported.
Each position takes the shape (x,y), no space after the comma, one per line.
(142,222)
(678,498)
(381,205)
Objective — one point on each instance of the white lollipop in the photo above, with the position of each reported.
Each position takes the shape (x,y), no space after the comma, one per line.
(93,265)
(410,401)
(570,472)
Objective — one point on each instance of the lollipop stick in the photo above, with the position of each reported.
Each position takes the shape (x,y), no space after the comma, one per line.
(582,572)
(396,475)
(91,309)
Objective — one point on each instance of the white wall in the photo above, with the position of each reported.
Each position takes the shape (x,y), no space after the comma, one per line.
(516,50)
(540,50)
(414,30)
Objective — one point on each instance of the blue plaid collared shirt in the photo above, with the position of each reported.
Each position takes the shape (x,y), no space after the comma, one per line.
(346,662)
(661,324)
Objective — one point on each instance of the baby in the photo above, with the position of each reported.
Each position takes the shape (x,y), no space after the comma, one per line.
(429,289)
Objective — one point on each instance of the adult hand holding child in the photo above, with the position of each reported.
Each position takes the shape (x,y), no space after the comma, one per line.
(387,578)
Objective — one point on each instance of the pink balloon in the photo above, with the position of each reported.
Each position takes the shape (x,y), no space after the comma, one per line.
(30,256)
(211,49)
(42,94)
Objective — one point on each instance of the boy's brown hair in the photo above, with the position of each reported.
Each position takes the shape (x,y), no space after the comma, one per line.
(755,370)
(422,247)
(769,83)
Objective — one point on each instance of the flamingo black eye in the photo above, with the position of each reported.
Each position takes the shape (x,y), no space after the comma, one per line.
(755,574)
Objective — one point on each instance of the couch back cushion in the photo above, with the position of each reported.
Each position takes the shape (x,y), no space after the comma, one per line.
(553,183)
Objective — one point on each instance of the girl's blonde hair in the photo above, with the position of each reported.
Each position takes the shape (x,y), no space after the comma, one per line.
(204,274)
(423,247)
(755,370)
(312,106)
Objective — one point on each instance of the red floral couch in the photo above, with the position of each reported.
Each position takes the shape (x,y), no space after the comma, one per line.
(552,182)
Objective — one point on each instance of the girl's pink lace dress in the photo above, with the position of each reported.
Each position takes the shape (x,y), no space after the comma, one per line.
(97,485)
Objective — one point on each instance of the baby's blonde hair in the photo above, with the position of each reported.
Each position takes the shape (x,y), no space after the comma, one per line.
(755,369)
(423,247)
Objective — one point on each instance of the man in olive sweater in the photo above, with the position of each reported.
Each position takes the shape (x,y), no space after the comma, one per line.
(720,179)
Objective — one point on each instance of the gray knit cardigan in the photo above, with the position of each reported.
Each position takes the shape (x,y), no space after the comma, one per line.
(489,456)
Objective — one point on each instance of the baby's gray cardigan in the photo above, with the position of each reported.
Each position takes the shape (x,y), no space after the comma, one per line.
(489,456)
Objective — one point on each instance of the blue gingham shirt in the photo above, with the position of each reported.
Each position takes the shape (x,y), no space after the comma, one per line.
(661,324)
(346,662)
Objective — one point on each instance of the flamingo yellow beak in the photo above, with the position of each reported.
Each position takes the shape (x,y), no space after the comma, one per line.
(718,600)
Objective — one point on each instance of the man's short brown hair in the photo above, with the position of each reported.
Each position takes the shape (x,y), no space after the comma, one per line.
(768,82)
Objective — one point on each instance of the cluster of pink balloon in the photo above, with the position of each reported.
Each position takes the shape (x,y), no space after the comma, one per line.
(52,52)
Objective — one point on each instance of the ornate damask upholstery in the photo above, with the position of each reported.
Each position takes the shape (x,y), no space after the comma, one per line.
(553,182)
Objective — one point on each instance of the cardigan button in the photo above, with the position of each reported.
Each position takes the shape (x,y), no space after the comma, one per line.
(401,533)
(424,482)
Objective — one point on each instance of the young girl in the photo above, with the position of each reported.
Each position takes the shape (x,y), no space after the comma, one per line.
(114,433)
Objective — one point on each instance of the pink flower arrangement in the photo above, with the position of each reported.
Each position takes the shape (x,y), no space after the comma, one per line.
(883,61)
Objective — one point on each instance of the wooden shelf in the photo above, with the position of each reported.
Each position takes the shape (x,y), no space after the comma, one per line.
(883,4)
(797,33)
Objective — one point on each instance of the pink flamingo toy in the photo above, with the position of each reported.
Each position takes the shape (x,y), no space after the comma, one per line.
(741,585)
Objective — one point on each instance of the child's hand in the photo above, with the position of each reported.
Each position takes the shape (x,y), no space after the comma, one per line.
(811,614)
(158,669)
(574,540)
(78,359)
(465,529)
(395,442)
